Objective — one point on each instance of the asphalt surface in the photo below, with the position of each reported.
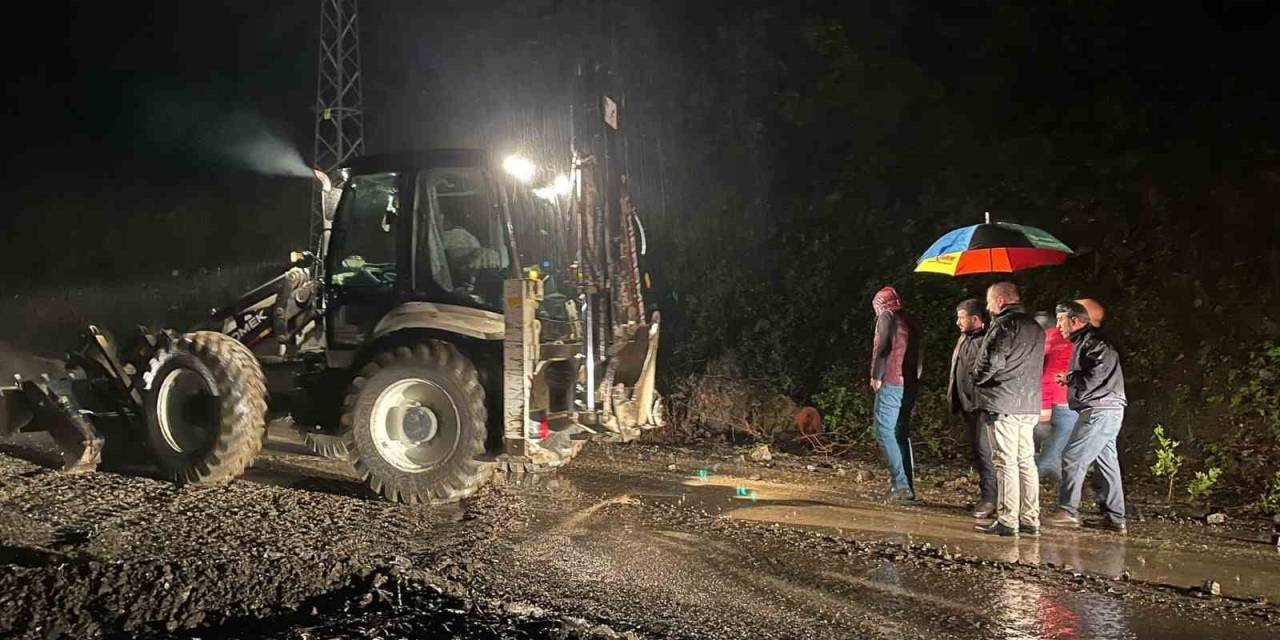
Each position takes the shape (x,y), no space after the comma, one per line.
(628,541)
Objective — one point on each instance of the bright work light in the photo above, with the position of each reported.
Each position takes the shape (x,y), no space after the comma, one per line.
(519,168)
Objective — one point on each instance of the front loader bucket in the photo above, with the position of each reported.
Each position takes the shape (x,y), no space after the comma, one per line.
(38,407)
(15,414)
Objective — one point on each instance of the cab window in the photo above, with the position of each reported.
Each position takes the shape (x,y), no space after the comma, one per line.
(364,246)
(460,243)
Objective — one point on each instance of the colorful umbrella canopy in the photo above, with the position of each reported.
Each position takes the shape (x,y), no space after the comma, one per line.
(989,248)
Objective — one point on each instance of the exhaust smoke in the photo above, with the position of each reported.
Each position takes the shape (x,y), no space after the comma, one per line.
(246,140)
(232,135)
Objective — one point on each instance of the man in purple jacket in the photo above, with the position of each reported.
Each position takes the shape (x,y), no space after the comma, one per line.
(895,374)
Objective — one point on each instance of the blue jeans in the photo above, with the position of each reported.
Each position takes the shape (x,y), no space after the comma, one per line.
(892,414)
(1094,443)
(1061,423)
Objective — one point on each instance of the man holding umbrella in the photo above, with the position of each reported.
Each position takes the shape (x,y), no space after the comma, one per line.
(1006,377)
(1007,372)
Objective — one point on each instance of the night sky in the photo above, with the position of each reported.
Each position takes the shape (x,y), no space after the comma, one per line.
(108,100)
(146,80)
(138,82)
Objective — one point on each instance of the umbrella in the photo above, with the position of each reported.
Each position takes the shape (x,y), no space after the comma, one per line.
(992,247)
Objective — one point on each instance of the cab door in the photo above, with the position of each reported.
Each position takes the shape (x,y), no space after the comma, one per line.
(370,241)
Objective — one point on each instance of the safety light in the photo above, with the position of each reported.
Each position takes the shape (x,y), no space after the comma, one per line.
(561,187)
(519,167)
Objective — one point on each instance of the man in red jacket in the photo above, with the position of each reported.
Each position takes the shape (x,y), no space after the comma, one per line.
(895,373)
(1056,418)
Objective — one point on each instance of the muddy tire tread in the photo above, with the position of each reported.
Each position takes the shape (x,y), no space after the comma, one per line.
(468,474)
(242,427)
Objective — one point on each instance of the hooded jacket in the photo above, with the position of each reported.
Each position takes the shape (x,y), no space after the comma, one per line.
(895,350)
(1095,380)
(1006,375)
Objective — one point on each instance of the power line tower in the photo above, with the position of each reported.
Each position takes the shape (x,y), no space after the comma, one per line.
(339,97)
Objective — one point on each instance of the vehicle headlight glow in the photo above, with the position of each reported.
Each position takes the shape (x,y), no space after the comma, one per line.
(561,187)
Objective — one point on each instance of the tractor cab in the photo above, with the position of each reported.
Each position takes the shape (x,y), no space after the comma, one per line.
(427,228)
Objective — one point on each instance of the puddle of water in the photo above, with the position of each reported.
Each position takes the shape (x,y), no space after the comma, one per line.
(1028,611)
(1243,570)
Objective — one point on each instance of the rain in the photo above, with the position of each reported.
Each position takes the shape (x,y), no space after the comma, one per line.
(641,319)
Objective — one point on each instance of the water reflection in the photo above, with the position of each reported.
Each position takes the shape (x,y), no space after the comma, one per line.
(1027,611)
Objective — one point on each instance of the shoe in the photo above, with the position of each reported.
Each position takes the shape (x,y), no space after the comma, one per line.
(996,529)
(902,495)
(984,510)
(1062,519)
(1114,527)
(1027,530)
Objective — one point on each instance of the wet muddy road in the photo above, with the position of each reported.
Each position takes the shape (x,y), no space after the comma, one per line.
(646,541)
(682,546)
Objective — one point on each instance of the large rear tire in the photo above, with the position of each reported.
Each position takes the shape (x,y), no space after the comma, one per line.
(206,405)
(415,422)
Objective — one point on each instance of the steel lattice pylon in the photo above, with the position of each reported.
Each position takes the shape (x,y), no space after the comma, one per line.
(339,97)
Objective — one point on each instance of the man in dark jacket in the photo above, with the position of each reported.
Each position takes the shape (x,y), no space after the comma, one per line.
(895,374)
(971,320)
(1007,381)
(1095,388)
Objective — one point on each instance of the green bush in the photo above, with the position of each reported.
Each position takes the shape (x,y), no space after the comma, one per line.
(845,403)
(1258,387)
(1270,500)
(1202,484)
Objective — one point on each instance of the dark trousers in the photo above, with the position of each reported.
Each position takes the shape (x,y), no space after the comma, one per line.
(980,450)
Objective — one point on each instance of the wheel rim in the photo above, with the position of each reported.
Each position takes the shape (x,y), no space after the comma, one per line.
(186,410)
(415,425)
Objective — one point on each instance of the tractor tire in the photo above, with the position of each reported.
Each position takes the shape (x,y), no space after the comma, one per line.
(206,405)
(414,419)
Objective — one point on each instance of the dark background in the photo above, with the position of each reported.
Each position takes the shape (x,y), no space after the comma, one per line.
(789,159)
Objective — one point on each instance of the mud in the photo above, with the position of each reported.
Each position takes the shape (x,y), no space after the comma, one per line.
(627,541)
(644,548)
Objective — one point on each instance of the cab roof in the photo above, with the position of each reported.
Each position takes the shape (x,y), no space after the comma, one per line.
(420,159)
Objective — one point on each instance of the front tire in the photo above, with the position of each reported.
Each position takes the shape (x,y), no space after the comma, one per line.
(206,405)
(415,421)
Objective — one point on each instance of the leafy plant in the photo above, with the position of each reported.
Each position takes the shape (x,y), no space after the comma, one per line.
(1270,501)
(1203,482)
(1258,390)
(1168,462)
(845,404)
